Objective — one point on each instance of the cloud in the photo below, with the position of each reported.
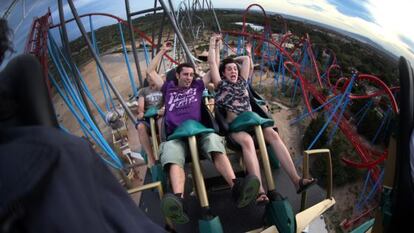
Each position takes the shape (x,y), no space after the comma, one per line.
(314,7)
(381,21)
(353,8)
(408,41)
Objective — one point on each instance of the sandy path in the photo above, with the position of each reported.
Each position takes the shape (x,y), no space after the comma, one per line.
(290,134)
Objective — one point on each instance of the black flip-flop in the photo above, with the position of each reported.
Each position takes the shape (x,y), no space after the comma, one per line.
(303,186)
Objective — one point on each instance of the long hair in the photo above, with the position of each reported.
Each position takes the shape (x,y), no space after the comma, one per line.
(5,39)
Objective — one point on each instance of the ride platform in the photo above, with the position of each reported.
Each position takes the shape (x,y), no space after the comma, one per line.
(233,220)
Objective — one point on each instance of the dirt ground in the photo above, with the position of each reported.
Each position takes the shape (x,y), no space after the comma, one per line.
(116,69)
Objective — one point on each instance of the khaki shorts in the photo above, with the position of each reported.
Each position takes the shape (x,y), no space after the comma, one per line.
(175,151)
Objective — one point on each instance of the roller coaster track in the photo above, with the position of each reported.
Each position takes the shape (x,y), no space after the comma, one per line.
(36,43)
(136,30)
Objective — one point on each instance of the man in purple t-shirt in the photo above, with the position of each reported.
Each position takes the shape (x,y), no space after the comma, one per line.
(183,99)
(183,102)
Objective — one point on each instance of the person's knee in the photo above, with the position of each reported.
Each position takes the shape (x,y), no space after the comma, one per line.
(172,167)
(215,156)
(174,163)
(246,142)
(270,134)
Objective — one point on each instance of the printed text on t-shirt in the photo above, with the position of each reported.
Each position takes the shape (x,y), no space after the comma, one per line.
(182,99)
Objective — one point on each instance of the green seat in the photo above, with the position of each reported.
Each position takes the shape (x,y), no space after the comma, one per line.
(246,120)
(151,112)
(189,128)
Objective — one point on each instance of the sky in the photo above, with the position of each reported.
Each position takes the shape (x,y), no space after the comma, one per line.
(388,23)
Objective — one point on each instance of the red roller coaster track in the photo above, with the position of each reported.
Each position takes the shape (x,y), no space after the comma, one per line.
(36,43)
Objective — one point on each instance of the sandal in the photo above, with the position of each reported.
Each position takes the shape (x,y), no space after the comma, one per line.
(303,186)
(262,199)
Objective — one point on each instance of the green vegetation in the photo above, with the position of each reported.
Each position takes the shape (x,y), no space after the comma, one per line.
(339,147)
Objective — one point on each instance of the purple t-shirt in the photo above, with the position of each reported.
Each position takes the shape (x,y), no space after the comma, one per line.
(182,104)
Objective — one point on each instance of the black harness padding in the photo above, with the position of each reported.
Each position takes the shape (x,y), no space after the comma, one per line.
(25,95)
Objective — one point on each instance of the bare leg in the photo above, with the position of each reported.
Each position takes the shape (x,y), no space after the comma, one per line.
(249,154)
(177,179)
(283,155)
(145,142)
(223,165)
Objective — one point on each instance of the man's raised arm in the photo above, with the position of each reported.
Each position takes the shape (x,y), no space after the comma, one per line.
(155,62)
(212,59)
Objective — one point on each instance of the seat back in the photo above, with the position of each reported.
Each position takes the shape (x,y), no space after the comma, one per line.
(254,98)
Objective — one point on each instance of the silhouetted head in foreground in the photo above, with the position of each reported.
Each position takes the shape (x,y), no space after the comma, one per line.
(5,39)
(7,103)
(24,97)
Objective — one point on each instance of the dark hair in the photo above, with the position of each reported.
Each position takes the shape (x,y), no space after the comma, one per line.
(182,65)
(5,39)
(227,60)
